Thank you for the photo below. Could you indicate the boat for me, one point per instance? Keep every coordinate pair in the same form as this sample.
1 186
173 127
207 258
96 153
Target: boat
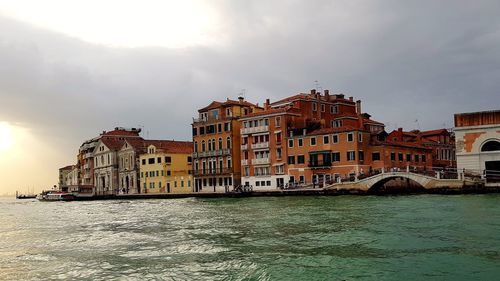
55 196
25 196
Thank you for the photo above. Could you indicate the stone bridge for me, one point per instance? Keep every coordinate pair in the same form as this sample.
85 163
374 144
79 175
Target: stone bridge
427 182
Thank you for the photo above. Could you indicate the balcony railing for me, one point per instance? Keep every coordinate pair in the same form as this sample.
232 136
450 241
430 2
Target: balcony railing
219 152
244 162
244 147
252 130
260 161
211 172
260 145
319 164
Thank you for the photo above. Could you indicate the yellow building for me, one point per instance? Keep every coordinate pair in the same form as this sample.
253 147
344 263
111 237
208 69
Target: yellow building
166 167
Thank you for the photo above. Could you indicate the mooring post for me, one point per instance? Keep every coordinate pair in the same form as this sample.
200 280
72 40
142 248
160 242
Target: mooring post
438 175
407 168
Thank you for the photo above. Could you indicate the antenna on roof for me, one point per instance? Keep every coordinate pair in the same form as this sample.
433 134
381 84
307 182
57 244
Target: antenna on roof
242 94
318 86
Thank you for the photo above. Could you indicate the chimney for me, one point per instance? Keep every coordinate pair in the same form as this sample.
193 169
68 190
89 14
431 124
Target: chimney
241 99
327 95
351 99
358 106
313 92
266 105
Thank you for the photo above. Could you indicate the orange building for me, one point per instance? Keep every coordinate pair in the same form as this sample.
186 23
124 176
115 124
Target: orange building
216 139
441 141
318 137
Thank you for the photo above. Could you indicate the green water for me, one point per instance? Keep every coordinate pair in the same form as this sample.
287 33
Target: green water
424 237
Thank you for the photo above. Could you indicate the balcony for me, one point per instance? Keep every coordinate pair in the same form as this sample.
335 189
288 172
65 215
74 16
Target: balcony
253 130
195 154
244 147
244 162
320 164
212 153
213 172
260 145
260 161
86 166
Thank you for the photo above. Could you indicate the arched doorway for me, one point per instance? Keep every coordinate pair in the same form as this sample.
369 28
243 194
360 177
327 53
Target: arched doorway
490 155
396 185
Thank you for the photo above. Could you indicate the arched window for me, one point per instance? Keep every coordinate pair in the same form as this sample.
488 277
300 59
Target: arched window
220 143
203 146
228 143
492 145
195 146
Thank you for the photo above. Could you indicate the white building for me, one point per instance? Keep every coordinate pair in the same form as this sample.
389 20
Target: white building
128 166
478 142
106 166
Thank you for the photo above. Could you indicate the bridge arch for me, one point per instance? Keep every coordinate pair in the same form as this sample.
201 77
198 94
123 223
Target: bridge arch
397 182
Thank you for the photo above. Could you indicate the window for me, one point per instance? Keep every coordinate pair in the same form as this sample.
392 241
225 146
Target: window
361 155
337 123
257 183
190 159
291 159
326 139
400 156
278 153
278 138
268 183
203 146
322 107
175 183
168 159
408 157
423 157
182 183
162 173
142 174
151 161
228 143
350 137
313 140
300 159
335 138
336 156
195 146
290 143
159 184
360 137
376 156
333 109
157 174
219 128
158 160
351 156
143 161
278 121
315 106
416 158
300 142
169 173
227 126
393 156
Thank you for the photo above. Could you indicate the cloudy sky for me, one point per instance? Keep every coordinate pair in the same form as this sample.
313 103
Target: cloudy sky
70 69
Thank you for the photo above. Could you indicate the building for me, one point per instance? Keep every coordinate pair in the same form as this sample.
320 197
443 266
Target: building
166 167
478 143
129 167
441 141
63 177
216 140
317 138
87 162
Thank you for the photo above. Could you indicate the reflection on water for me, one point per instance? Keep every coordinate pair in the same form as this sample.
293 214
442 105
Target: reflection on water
296 238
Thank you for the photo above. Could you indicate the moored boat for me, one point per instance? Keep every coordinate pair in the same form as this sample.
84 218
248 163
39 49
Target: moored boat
56 196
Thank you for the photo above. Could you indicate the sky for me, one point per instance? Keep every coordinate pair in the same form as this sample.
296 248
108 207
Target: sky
71 69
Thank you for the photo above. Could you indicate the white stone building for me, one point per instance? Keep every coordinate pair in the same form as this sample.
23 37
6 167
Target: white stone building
478 143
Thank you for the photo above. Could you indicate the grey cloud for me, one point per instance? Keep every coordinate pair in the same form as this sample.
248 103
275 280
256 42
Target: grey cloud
406 60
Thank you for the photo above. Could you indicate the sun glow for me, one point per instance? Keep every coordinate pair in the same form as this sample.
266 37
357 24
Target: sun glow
123 23
5 136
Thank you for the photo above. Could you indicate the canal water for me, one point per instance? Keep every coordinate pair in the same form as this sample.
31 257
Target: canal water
421 237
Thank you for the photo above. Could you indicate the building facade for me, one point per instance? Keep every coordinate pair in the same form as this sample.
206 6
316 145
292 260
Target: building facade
128 166
216 141
166 167
478 143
